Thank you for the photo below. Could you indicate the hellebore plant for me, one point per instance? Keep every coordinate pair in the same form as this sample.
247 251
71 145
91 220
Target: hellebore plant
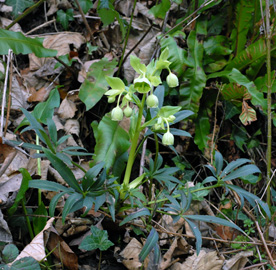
161 118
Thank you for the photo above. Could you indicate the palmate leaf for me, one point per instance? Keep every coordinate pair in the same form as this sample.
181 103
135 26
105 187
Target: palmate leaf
18 6
97 240
209 219
111 141
21 44
252 199
242 171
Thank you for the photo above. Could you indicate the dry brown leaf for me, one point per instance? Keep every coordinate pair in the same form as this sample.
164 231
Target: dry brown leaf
36 248
60 42
5 22
60 249
67 109
72 127
40 95
238 261
131 255
55 5
204 261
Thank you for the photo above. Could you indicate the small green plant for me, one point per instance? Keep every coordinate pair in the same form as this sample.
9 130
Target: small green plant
97 240
9 254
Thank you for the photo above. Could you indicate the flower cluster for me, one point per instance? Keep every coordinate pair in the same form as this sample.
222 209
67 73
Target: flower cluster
149 78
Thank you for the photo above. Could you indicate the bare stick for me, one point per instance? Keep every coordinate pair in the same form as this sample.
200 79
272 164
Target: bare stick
265 245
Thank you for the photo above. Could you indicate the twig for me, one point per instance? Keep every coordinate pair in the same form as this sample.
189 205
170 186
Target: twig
4 92
86 23
214 129
9 101
265 245
40 26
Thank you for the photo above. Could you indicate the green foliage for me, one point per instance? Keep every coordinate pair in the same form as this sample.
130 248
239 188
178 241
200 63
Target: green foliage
108 14
242 23
95 84
64 17
9 254
194 76
18 6
22 190
21 44
111 141
98 239
85 5
160 10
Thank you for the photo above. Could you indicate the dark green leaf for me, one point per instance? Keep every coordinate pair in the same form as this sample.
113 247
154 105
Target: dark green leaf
63 170
149 245
218 162
48 185
65 17
22 190
18 6
25 263
95 84
233 165
39 221
196 233
243 171
54 202
21 44
45 110
139 213
98 239
160 10
69 204
9 253
111 141
85 5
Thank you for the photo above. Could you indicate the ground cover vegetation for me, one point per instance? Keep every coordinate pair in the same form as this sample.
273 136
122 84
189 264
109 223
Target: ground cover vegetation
137 134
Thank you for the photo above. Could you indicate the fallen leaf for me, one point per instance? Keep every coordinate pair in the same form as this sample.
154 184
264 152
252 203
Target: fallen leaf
67 109
238 261
36 248
60 249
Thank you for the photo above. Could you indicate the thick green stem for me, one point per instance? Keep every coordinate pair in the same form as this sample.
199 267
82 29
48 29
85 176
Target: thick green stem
134 143
269 116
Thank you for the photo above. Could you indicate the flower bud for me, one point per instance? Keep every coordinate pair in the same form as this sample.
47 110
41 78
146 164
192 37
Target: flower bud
171 118
168 138
111 99
152 101
172 80
127 111
117 114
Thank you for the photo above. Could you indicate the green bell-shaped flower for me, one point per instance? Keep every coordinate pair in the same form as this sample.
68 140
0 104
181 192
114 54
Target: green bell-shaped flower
142 85
128 111
152 101
117 114
172 80
111 99
168 138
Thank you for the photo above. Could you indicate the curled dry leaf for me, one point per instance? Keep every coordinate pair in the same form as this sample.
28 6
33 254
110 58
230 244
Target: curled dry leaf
5 234
67 109
131 255
36 248
60 249
204 261
238 261
72 127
